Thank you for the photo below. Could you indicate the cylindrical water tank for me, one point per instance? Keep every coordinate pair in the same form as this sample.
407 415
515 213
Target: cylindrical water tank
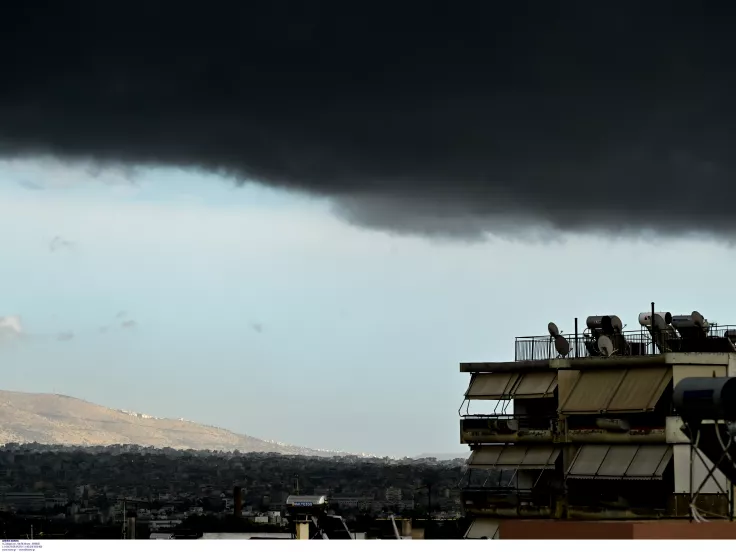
706 398
609 323
694 320
645 318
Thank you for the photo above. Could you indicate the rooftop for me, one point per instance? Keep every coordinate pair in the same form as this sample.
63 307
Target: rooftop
605 336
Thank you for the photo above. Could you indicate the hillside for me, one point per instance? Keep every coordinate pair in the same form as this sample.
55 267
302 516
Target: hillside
58 419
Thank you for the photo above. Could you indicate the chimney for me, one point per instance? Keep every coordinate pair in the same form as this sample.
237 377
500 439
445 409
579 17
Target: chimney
238 502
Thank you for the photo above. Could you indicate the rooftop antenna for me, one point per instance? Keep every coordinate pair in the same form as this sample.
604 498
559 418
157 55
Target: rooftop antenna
562 345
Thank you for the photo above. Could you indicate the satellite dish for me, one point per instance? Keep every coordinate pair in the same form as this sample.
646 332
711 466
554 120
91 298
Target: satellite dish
562 346
605 345
552 329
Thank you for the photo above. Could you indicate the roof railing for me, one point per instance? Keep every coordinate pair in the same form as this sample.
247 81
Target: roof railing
627 343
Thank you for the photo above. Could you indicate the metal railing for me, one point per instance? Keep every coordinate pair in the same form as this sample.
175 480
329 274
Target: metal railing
470 422
634 343
479 498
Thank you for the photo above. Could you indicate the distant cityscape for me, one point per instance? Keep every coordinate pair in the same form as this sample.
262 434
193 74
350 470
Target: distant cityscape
167 489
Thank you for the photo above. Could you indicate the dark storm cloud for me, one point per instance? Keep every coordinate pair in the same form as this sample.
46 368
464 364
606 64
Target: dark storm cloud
450 118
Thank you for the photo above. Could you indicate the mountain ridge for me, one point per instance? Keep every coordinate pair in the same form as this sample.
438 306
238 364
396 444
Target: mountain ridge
54 419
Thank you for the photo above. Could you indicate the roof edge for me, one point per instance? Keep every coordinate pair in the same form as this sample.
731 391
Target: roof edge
588 363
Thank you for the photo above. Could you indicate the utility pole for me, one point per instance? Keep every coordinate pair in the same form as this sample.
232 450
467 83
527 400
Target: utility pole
429 501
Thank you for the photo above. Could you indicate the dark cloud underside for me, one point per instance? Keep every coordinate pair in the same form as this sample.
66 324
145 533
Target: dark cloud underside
431 117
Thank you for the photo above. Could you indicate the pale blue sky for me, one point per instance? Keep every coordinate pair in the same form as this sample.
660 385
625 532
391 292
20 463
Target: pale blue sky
360 333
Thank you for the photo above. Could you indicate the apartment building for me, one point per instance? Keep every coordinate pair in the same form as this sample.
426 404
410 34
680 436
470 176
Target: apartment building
582 426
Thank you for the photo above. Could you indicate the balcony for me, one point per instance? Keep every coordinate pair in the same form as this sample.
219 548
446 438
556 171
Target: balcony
476 430
507 502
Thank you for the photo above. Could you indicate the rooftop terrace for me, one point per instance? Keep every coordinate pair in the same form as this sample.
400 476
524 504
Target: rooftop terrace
602 338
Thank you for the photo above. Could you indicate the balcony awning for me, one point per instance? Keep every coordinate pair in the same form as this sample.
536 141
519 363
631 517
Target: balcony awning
483 528
620 462
621 390
510 457
498 386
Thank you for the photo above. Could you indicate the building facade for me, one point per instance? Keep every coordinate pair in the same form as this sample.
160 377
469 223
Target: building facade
584 432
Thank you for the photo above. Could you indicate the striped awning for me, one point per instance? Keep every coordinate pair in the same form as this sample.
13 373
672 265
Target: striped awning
620 390
620 462
504 457
498 386
483 528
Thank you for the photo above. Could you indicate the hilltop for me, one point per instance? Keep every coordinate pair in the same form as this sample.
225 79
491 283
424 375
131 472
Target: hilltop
62 420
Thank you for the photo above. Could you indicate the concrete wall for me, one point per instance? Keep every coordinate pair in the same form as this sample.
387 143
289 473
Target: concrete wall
731 370
681 371
622 530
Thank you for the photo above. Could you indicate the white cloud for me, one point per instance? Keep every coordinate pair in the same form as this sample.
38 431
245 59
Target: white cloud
11 328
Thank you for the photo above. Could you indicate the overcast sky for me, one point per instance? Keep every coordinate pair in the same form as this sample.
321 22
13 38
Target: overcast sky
175 294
